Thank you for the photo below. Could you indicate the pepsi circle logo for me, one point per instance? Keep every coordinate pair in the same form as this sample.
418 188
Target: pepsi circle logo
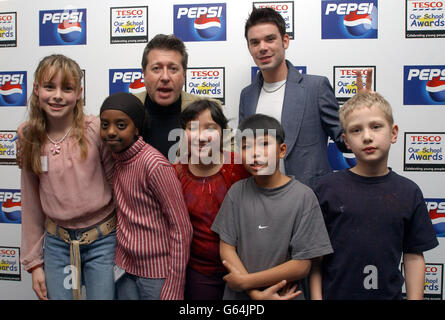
436 89
136 86
69 32
207 28
12 210
12 93
357 24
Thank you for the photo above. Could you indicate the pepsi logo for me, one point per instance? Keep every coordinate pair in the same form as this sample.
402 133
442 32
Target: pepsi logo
207 27
357 24
69 32
12 210
136 86
12 93
436 89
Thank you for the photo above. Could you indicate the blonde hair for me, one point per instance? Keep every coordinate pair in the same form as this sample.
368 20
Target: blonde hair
365 100
34 133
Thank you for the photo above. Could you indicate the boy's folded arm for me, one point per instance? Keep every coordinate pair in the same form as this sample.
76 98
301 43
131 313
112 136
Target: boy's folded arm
290 271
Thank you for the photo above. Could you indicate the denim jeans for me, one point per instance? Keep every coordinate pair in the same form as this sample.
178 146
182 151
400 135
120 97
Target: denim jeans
97 261
131 287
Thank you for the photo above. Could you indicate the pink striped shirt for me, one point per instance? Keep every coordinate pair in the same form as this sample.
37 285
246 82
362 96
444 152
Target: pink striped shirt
154 230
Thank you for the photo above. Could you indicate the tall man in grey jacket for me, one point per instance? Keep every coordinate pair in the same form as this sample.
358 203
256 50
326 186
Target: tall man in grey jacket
305 104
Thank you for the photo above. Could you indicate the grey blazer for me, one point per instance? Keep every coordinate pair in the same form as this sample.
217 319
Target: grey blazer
309 117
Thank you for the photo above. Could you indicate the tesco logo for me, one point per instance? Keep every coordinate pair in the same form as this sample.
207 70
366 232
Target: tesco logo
427 4
426 139
277 7
205 73
6 136
350 72
7 252
431 269
129 12
6 18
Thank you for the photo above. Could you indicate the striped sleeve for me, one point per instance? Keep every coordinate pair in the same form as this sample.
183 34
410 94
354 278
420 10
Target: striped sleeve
167 189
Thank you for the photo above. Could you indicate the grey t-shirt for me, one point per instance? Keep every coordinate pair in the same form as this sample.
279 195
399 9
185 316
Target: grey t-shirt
271 226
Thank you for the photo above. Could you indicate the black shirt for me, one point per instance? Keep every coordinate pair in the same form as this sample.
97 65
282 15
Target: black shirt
161 120
371 221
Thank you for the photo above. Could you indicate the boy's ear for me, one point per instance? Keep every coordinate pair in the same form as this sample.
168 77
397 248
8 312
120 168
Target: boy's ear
343 136
394 133
283 150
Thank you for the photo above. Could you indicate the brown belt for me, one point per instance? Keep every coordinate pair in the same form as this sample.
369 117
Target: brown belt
88 237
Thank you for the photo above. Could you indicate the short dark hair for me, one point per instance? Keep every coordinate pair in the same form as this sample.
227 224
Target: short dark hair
265 15
165 42
192 111
261 121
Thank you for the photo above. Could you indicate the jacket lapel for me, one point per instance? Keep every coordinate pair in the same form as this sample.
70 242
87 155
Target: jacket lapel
294 105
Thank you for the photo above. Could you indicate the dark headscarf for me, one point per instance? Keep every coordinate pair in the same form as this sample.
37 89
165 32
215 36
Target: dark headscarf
128 104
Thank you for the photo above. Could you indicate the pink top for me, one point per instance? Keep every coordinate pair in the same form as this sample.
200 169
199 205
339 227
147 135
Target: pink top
74 193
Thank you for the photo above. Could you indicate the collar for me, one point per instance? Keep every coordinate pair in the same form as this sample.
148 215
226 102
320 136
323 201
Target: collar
132 151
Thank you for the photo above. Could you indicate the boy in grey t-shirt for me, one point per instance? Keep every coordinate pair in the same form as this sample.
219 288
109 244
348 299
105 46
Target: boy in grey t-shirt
270 225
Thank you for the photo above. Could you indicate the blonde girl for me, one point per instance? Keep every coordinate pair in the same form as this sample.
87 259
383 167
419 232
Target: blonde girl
68 218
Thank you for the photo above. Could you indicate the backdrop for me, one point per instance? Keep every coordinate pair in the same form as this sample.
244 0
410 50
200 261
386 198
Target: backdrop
401 40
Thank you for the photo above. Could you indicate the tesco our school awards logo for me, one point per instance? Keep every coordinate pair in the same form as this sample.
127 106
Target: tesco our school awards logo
254 71
436 209
424 151
12 88
206 82
10 206
63 27
345 85
10 263
8 29
424 85
285 9
8 147
349 19
126 80
200 22
129 24
425 19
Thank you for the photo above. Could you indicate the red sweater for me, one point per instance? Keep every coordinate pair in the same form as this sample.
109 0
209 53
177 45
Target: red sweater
203 196
154 229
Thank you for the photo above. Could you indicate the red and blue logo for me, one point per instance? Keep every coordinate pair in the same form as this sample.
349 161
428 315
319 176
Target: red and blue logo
349 20
126 80
424 85
63 27
200 22
436 209
11 206
13 88
436 89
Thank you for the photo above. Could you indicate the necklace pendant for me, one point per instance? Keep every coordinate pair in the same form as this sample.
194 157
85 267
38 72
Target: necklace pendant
55 150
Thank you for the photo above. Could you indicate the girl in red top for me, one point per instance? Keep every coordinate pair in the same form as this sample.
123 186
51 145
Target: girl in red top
206 174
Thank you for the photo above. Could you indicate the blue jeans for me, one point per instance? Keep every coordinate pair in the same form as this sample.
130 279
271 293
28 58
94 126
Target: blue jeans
97 261
131 287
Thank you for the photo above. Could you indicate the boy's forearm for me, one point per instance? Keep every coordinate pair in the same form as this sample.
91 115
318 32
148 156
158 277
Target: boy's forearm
290 271
414 265
315 280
